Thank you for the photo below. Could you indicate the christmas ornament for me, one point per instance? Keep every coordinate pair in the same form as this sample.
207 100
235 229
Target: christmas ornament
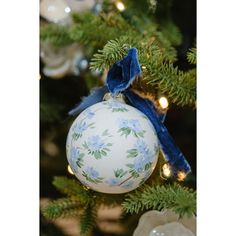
139 122
81 5
171 229
62 61
113 155
165 223
55 11
59 11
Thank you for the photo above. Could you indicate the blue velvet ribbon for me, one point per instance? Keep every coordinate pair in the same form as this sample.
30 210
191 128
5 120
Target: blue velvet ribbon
119 79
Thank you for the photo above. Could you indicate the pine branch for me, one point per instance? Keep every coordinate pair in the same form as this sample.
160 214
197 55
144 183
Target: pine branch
112 52
63 207
87 220
158 72
174 197
56 35
72 187
179 86
192 56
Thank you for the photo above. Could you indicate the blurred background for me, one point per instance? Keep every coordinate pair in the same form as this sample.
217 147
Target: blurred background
62 88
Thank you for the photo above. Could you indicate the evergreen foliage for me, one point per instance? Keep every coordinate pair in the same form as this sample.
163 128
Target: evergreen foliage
158 197
84 202
179 86
192 56
63 207
87 220
116 32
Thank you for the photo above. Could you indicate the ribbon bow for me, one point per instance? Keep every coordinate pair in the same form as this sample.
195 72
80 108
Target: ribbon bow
119 78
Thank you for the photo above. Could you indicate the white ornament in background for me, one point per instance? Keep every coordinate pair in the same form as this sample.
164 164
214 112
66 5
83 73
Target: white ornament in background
81 5
55 11
62 61
171 229
165 223
112 147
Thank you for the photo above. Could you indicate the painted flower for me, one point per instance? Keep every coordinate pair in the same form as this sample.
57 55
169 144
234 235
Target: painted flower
113 182
76 159
123 123
80 127
141 146
139 164
74 152
96 146
116 106
92 172
143 158
127 127
135 125
95 143
88 113
92 175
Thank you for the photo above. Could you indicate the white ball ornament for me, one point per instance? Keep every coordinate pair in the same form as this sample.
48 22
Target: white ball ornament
112 147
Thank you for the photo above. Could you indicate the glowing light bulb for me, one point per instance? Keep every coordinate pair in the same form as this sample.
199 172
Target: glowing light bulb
70 170
166 170
163 102
67 10
144 67
120 6
181 175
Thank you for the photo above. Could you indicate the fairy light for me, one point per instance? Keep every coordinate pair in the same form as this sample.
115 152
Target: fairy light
181 176
166 170
70 170
163 102
144 67
120 5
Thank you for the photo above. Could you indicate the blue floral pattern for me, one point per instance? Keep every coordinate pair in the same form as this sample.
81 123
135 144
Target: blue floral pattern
96 146
88 113
143 158
117 180
92 175
76 159
79 128
131 126
116 106
111 150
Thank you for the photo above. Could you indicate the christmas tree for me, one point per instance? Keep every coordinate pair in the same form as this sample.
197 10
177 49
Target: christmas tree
79 46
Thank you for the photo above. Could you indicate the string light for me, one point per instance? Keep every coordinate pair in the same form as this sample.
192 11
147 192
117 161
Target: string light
181 176
70 170
163 102
166 170
120 5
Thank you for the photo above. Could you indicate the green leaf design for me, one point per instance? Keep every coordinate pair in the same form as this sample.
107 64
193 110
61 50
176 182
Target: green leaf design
97 154
119 173
124 131
91 125
132 153
85 145
105 132
88 178
119 109
130 165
